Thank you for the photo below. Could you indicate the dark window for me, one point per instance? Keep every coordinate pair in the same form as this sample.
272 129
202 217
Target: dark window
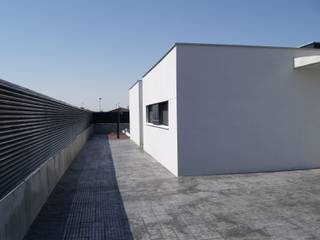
163 113
158 113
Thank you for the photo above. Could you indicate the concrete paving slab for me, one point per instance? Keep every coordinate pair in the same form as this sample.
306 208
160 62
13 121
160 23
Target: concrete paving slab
86 203
114 190
280 205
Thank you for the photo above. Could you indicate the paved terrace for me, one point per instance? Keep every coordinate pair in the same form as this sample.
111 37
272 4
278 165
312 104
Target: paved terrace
153 204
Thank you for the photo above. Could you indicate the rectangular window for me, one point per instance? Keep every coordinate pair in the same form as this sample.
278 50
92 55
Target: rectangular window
158 113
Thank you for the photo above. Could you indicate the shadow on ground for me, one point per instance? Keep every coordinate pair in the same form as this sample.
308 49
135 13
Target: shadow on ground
86 203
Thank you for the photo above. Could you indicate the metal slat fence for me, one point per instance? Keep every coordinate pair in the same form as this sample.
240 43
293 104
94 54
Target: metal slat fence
33 127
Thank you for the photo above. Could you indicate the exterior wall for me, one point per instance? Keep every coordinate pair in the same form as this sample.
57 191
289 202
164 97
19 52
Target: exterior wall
135 104
246 109
20 207
160 85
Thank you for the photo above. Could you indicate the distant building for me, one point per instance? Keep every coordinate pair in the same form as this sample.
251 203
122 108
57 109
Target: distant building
119 109
216 109
114 121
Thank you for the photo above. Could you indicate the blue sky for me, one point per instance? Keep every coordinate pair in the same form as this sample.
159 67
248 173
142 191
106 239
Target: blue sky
78 51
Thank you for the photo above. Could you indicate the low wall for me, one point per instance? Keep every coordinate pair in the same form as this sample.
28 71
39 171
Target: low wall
106 128
20 207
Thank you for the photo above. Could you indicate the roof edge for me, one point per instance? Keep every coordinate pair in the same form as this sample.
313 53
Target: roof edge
236 45
312 45
220 45
154 65
135 83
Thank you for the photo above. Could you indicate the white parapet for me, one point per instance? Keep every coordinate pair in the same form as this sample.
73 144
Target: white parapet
300 62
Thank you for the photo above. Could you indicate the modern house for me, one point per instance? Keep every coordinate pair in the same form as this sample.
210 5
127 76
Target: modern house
215 109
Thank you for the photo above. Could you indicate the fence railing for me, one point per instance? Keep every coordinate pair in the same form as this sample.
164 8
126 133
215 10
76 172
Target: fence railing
33 127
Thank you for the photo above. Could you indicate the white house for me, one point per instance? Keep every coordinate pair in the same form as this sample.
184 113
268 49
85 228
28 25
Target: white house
215 109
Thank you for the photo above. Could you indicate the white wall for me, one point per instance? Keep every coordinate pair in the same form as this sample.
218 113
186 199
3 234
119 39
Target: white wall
134 113
246 109
160 85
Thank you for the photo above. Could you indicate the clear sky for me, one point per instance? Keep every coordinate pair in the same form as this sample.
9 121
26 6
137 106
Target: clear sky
78 51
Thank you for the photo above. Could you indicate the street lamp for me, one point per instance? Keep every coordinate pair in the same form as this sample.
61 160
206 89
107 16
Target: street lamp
100 104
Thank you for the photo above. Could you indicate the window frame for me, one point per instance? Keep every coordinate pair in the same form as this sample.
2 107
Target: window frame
157 114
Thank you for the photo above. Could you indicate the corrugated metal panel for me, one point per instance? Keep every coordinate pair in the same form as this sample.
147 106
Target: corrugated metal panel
33 127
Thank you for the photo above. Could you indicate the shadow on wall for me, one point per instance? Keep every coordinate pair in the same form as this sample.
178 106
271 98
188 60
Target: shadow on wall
86 203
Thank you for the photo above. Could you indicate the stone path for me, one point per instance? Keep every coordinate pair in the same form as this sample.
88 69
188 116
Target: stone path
277 206
155 205
86 203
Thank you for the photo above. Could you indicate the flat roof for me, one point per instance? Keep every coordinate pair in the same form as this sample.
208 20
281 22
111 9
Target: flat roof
225 45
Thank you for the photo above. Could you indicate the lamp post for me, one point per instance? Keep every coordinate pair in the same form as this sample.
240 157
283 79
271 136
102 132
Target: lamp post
118 122
100 104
